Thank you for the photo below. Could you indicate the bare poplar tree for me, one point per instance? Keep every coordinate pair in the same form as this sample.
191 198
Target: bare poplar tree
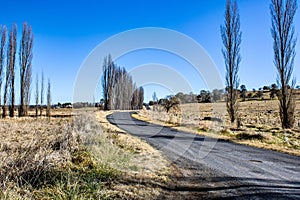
119 90
28 78
232 37
129 91
105 83
6 87
141 98
12 58
10 72
118 97
108 81
134 97
284 43
126 94
2 55
25 67
48 111
37 93
42 94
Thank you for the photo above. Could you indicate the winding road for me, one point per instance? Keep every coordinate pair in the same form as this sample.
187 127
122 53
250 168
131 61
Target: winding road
213 169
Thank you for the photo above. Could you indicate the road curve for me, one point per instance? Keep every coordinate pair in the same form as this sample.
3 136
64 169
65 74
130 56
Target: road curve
213 168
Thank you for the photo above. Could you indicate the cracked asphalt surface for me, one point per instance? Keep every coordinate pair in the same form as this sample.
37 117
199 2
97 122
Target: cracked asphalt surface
213 169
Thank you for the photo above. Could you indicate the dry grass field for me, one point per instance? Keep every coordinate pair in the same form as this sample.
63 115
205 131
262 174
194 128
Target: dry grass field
259 123
81 157
78 154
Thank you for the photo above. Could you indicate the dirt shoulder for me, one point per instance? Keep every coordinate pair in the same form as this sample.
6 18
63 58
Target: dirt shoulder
149 173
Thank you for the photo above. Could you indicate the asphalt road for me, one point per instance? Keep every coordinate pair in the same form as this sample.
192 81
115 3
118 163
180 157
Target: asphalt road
212 169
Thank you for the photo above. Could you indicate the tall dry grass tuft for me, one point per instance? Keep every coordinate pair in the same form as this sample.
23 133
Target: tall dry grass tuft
31 151
63 158
102 145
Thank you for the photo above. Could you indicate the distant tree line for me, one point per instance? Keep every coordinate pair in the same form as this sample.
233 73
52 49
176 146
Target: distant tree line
219 95
8 54
119 90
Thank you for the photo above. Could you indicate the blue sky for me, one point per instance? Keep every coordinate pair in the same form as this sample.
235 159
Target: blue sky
67 31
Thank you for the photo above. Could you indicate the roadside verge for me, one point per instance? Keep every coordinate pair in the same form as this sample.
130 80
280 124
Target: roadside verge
260 137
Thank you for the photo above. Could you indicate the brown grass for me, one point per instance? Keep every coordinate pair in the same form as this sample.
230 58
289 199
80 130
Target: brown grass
76 158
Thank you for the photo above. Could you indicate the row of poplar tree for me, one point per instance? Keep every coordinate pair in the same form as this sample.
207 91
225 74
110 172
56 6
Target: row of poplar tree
284 48
8 52
119 90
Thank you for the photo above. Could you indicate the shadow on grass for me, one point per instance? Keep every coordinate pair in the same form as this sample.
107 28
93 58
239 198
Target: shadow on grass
247 136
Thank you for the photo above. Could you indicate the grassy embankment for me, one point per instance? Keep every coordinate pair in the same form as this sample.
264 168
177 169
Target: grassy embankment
76 158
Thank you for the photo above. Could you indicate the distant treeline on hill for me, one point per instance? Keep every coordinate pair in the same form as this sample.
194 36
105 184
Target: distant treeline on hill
75 105
217 95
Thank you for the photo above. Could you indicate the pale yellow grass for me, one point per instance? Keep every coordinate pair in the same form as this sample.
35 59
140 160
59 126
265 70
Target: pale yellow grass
84 153
29 149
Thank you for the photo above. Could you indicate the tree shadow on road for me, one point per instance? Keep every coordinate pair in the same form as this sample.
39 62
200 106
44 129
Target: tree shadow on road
194 184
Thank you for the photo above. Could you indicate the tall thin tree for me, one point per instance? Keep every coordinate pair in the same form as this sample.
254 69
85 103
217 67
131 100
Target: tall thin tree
124 89
28 81
141 97
108 81
2 55
26 55
284 43
42 94
9 88
37 94
134 98
232 37
12 63
48 110
6 86
130 87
